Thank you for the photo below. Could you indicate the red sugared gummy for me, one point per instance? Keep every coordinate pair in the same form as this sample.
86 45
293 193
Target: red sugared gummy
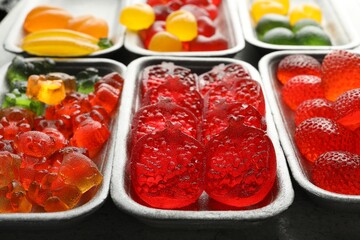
196 10
179 93
155 75
298 64
35 144
161 12
209 79
206 26
91 135
347 107
318 135
218 119
338 172
240 166
317 107
235 90
154 117
301 88
340 73
167 169
215 42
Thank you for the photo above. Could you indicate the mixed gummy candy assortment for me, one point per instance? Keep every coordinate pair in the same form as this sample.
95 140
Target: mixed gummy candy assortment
176 25
325 99
51 134
200 133
285 23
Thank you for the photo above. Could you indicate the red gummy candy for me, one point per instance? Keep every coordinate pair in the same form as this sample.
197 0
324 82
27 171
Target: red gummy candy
206 26
97 113
294 65
91 135
155 75
35 144
318 135
216 74
106 96
179 93
153 118
40 123
340 73
235 90
218 119
347 107
317 107
7 145
60 140
161 12
240 166
196 10
301 88
337 172
114 79
167 169
16 114
9 167
215 42
10 129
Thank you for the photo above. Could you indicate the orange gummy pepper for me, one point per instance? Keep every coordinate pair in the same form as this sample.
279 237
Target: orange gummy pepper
96 27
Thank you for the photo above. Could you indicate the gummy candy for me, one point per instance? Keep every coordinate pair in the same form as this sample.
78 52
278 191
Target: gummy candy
279 35
35 144
147 34
167 169
196 10
155 75
87 79
182 24
270 21
106 96
312 36
293 65
17 99
240 166
137 16
318 135
317 107
301 88
216 42
340 73
206 27
181 94
347 107
91 25
261 7
165 42
337 171
305 10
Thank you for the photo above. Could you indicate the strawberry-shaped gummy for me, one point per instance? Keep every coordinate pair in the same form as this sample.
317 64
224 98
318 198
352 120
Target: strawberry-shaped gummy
337 171
315 136
316 107
234 90
154 117
298 64
217 120
155 75
347 107
179 93
340 73
240 166
301 88
167 169
209 79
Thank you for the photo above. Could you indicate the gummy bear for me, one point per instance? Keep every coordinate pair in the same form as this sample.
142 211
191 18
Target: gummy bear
106 96
35 144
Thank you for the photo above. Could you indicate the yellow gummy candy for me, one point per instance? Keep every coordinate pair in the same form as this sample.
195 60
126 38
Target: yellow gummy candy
165 42
261 7
305 10
138 16
182 24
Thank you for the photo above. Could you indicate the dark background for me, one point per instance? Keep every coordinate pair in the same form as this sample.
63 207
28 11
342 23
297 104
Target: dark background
303 220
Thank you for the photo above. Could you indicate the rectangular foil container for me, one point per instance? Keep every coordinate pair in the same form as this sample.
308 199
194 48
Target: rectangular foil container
227 22
336 23
278 200
284 122
104 159
109 12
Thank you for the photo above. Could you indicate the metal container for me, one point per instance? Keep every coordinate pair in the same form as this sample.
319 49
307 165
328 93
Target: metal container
227 22
204 215
284 120
336 24
104 159
109 12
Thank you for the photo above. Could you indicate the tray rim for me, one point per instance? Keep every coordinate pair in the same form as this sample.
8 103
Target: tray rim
253 40
234 20
75 214
16 27
123 201
295 167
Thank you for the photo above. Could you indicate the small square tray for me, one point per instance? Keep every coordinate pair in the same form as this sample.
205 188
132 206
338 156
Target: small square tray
109 12
104 159
227 22
335 23
277 201
283 118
